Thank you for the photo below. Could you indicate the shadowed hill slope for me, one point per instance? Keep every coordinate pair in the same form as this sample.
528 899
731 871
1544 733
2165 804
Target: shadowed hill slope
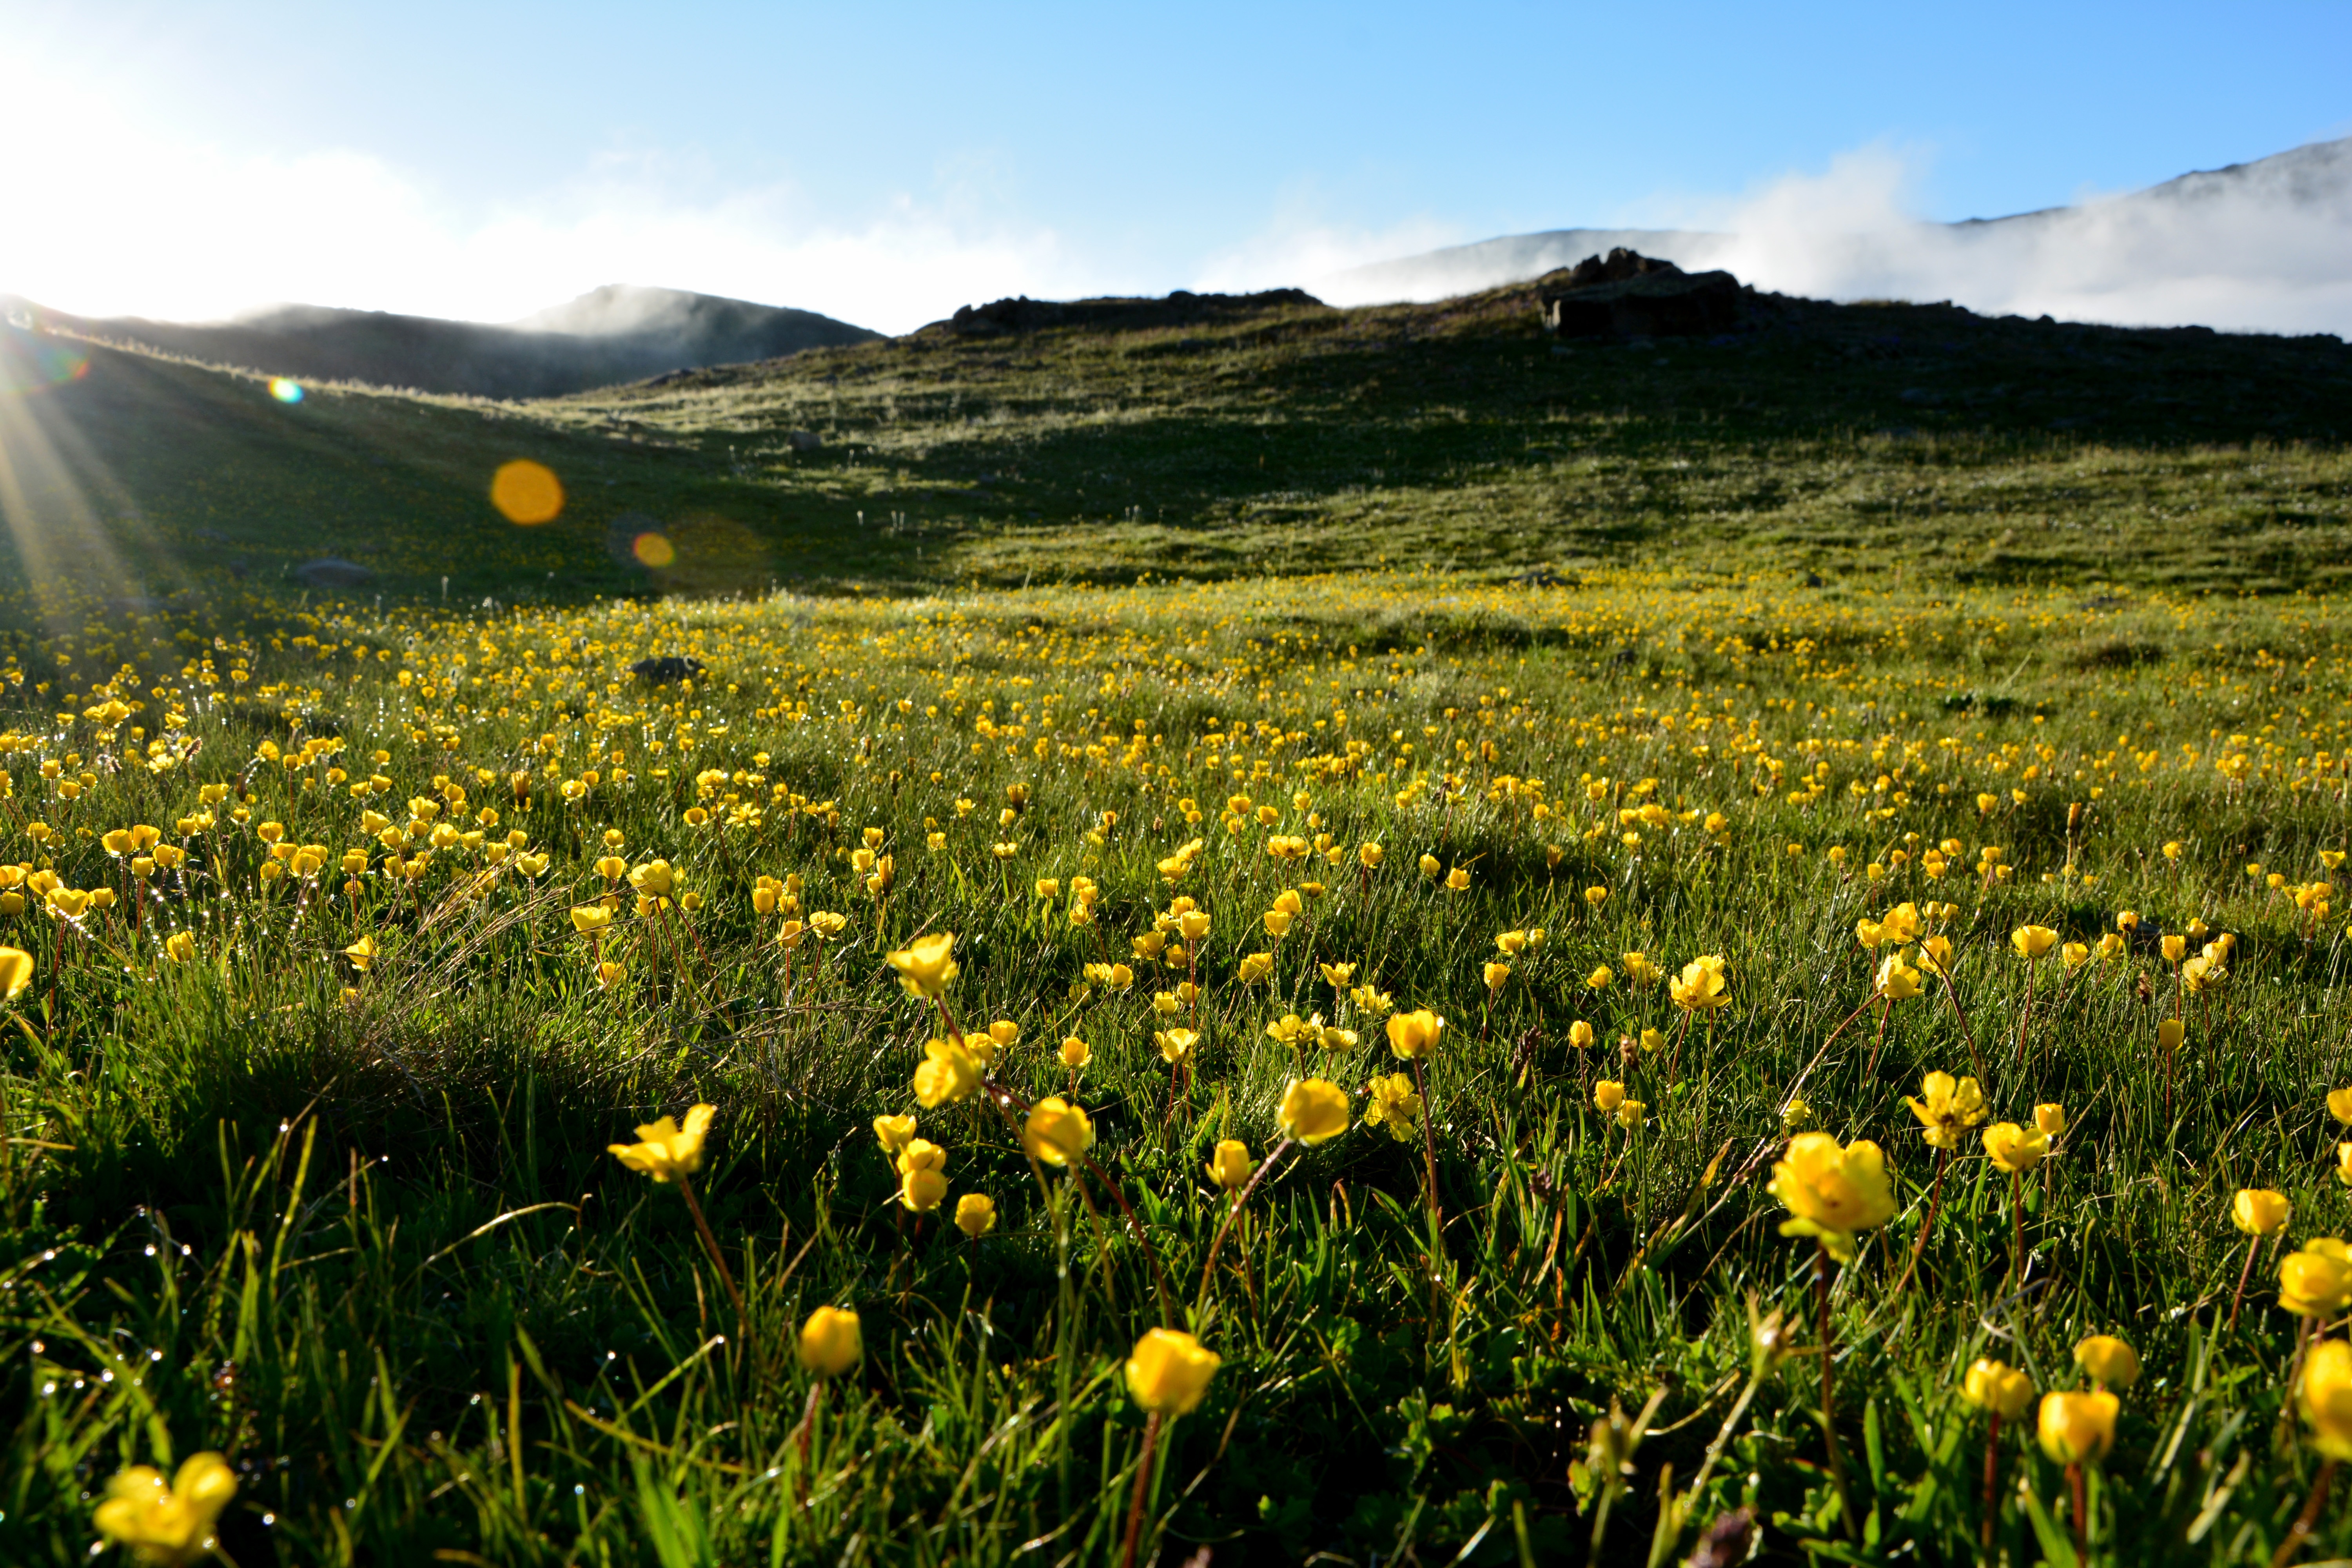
614 334
1893 440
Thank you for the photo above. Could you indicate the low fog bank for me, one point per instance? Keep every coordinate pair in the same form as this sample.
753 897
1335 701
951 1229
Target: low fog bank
2263 246
614 334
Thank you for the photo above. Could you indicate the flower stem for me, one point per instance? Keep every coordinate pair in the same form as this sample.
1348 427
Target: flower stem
1142 1479
1266 1167
2017 1229
1822 1267
1992 1477
2082 1514
1935 1201
2243 1275
710 1244
2308 1519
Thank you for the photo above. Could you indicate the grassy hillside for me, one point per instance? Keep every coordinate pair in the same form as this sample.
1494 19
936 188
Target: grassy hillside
1913 442
614 334
342 942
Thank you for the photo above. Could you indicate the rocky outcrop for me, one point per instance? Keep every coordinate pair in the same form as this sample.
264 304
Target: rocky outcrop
1181 308
1629 295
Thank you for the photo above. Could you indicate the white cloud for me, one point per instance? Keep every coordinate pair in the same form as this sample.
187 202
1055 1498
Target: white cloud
2266 250
121 218
1299 247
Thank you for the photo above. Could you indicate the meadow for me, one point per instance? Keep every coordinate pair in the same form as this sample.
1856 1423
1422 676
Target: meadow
1427 995
1449 846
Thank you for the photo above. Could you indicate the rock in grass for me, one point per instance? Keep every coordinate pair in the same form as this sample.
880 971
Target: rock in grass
667 667
332 572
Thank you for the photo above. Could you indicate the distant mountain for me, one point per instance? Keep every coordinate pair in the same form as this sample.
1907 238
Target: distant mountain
616 333
1494 263
2263 245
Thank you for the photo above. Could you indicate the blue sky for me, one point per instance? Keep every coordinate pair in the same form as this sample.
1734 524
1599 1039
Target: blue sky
886 164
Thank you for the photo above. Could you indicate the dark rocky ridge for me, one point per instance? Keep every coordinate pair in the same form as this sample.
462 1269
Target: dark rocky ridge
1628 295
1181 309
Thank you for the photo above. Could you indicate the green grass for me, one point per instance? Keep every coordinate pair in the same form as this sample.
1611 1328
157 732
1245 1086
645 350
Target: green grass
1910 442
368 1244
359 1232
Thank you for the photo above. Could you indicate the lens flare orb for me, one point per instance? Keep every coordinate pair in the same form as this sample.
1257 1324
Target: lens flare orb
652 550
284 389
526 492
29 363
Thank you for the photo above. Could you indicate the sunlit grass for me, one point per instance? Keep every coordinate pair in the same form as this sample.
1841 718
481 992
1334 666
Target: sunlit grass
309 1101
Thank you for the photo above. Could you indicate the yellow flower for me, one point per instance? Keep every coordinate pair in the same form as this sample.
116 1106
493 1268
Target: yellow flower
1313 1111
2033 941
1075 1052
67 902
829 1342
1596 897
2075 954
1897 981
1394 1105
2317 1282
1120 977
1369 855
2168 1032
1630 1113
2014 1149
1412 1035
1701 987
361 954
1831 1192
2111 1363
1277 923
1193 923
1168 1374
895 1133
926 966
2050 1118
2077 1429
1600 978
1230 1164
922 1174
1639 970
1255 967
1497 975
975 1215
1175 1045
2339 1105
665 1151
1431 866
2343 1162
2173 947
1458 880
1056 1131
2327 1397
1951 1109
1999 1387
948 1073
179 947
2258 1211
654 878
589 919
163 1524
1607 1095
